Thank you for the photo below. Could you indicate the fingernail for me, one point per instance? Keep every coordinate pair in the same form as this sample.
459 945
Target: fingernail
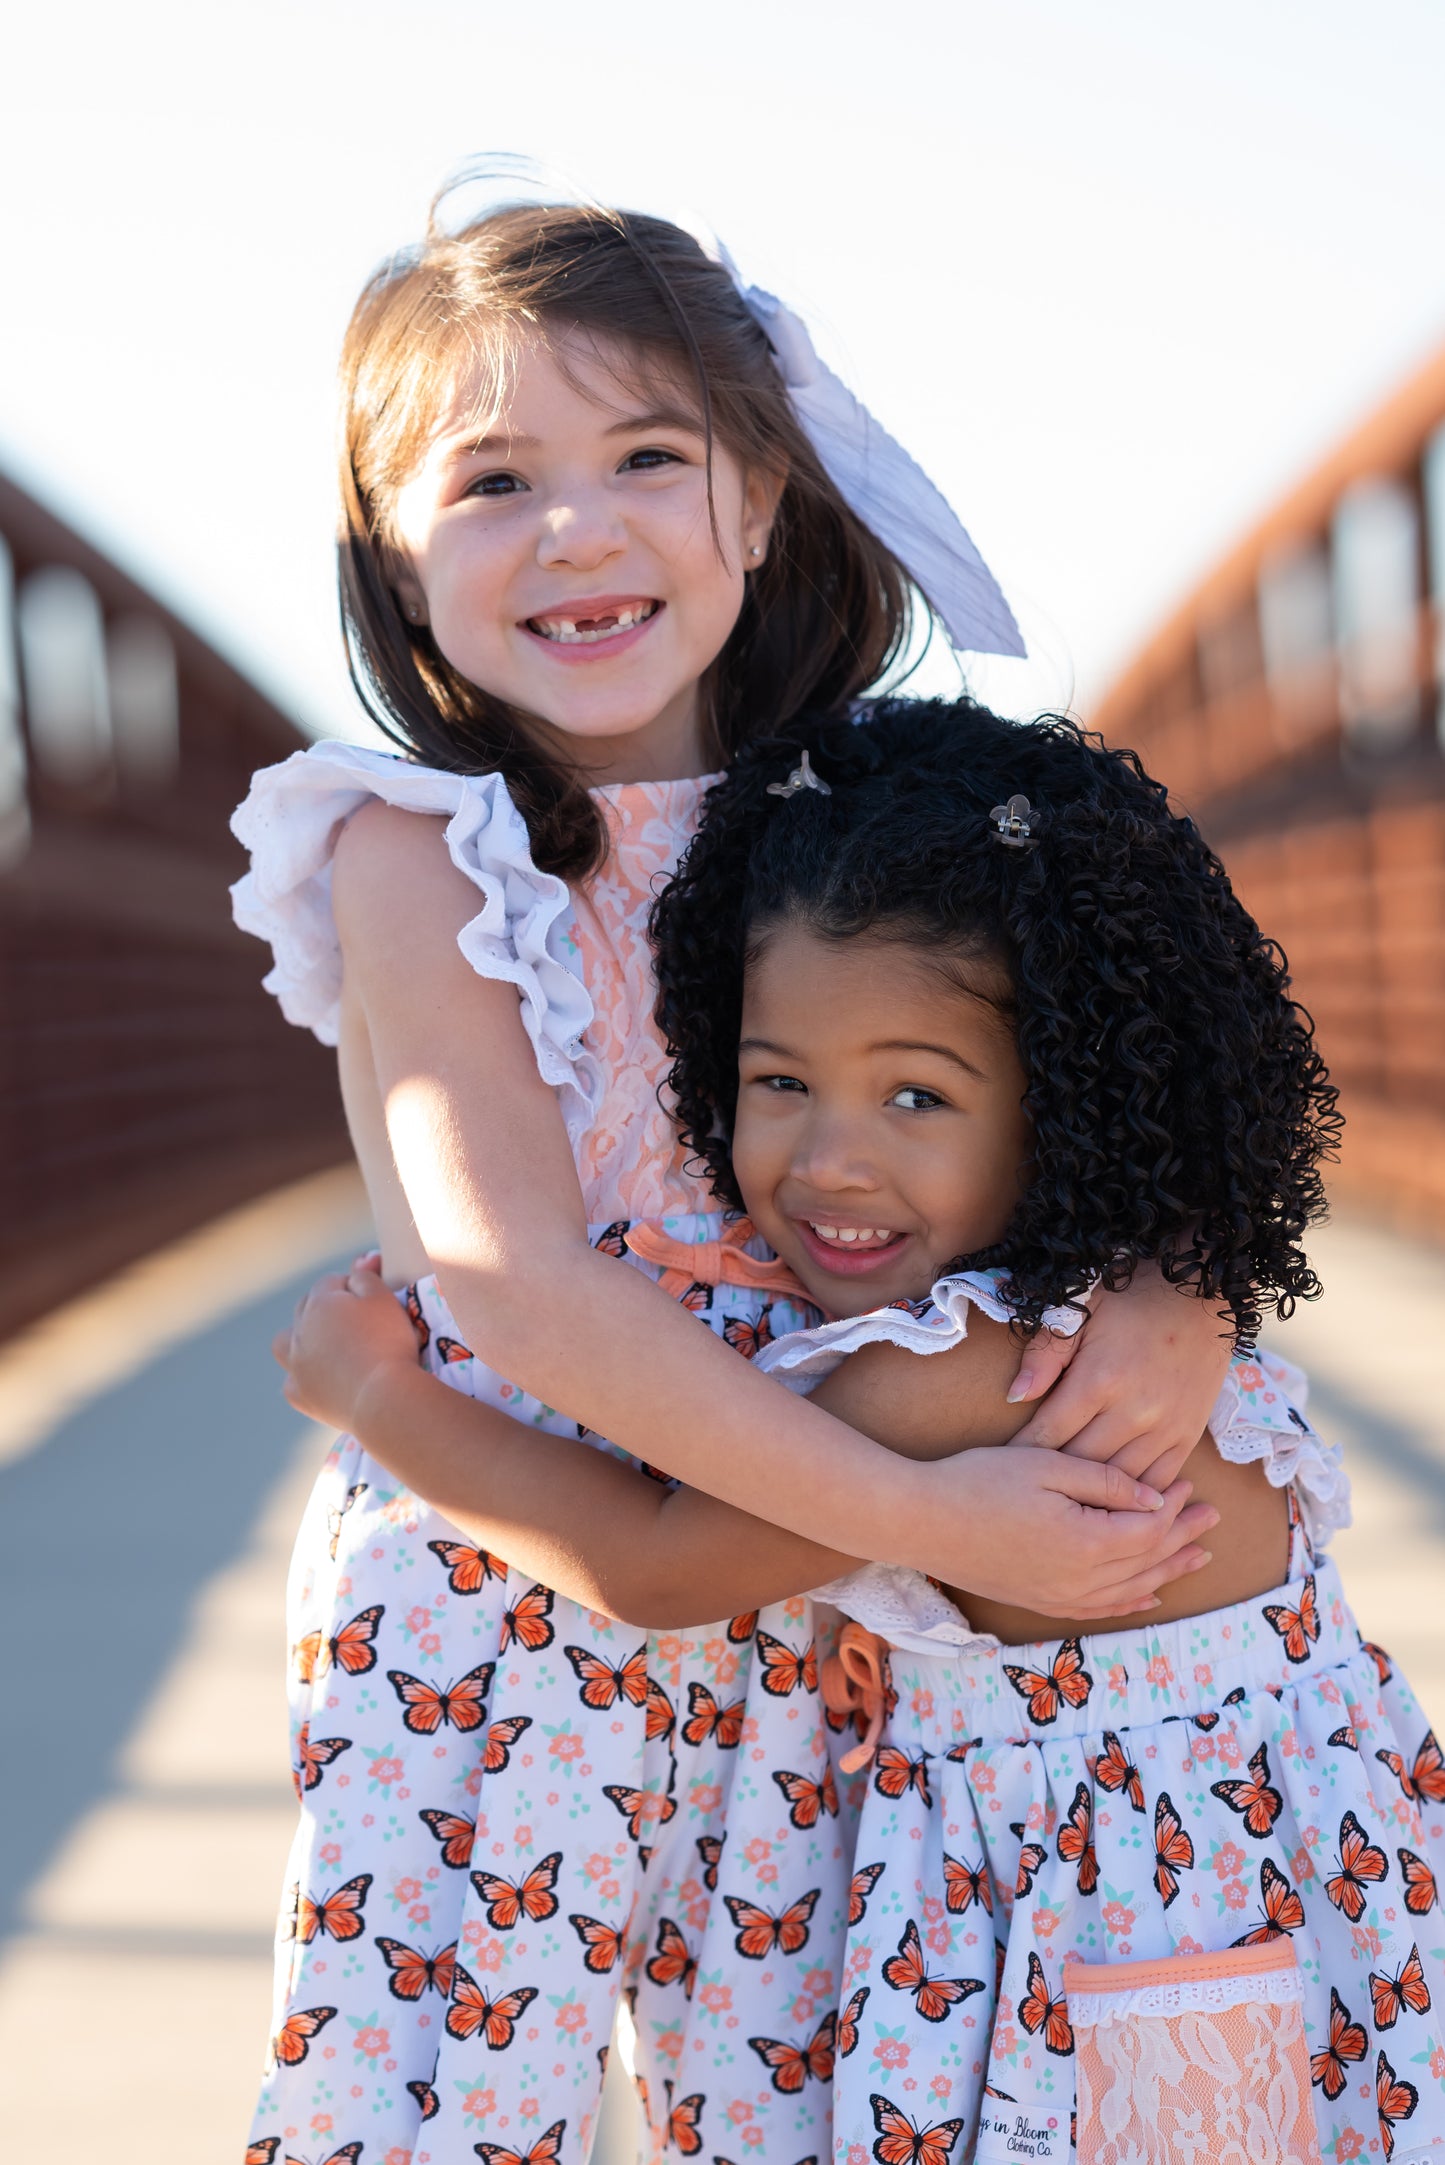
1147 1499
1206 1556
1018 1390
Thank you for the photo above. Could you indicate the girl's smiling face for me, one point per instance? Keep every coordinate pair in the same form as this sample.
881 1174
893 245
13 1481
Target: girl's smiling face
880 1126
561 548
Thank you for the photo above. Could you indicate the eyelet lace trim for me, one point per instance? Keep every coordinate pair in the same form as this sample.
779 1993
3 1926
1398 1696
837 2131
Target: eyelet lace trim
523 934
1185 1996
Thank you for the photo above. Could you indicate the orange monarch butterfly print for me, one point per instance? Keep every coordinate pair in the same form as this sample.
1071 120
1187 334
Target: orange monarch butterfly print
808 1800
1298 1628
1361 1865
1426 1778
427 2098
1067 1683
334 1518
292 2041
638 1806
471 2012
960 1752
264 2151
497 1751
614 1240
1420 1895
759 1931
1329 2070
784 1668
965 1884
602 1943
526 1623
414 1974
1076 1841
674 1962
338 1916
350 1648
311 1758
1394 2101
791 2065
1173 1850
710 1849
1393 1995
932 1996
660 1717
468 1569
902 2142
1037 2012
602 1685
346 2155
682 2121
1346 1739
1282 1907
708 1718
452 1351
895 1772
545 2150
1380 1658
749 1338
508 1901
1115 1771
456 1836
428 1708
1257 1804
741 1628
418 1320
847 2032
1031 1856
864 1880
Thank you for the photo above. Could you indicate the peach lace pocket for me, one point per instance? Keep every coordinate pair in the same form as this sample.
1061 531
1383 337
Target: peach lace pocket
1195 2060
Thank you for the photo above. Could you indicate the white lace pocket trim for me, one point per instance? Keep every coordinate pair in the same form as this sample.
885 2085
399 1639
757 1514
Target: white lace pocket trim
904 1608
522 934
1187 1996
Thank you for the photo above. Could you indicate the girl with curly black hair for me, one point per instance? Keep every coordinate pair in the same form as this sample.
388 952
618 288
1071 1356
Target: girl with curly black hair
970 1024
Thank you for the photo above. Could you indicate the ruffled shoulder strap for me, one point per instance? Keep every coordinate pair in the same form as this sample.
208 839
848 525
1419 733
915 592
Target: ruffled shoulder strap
522 933
804 1358
1259 1416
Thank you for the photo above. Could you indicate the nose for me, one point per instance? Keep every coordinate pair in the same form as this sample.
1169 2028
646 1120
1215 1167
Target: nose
580 532
831 1156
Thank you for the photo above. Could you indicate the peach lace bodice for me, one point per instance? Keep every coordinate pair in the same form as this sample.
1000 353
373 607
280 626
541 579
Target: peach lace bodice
629 1160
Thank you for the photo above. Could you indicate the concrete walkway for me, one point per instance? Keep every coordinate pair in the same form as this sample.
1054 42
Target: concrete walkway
147 1518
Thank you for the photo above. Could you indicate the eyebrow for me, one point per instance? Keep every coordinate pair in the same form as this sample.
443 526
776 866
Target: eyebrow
632 424
887 1044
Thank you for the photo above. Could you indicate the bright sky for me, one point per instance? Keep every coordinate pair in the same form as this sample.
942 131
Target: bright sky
1115 273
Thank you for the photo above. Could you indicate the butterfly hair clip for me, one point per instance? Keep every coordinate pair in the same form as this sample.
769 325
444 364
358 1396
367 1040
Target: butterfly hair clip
802 777
1013 824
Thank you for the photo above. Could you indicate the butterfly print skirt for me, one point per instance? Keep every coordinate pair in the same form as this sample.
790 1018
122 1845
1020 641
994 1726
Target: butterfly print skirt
511 1812
1120 1809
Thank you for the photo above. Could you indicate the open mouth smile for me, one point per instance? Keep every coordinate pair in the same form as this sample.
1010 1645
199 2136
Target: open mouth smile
593 624
848 1250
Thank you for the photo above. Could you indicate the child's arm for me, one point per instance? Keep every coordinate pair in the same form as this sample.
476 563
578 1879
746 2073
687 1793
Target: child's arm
614 1540
488 1173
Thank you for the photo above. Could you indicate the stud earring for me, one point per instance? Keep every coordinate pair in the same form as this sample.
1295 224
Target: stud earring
755 550
414 613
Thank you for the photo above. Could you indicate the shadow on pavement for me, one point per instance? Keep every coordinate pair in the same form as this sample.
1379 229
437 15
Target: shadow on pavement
108 1532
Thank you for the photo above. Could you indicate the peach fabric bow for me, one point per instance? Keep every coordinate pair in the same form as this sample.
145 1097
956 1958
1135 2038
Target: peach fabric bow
853 1681
712 1262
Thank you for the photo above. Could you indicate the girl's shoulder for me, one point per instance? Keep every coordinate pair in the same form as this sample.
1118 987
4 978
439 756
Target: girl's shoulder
291 822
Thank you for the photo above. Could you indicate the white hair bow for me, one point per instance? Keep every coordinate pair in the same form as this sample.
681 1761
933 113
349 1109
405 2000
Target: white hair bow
891 494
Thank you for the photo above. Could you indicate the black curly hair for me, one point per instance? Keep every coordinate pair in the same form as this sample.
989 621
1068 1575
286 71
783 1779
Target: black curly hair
1180 1109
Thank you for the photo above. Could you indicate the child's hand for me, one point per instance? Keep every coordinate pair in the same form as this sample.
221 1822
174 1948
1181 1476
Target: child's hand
344 1332
1064 1536
1142 1388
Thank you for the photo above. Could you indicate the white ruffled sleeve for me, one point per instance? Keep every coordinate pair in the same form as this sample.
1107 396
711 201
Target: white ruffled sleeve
1259 1415
523 932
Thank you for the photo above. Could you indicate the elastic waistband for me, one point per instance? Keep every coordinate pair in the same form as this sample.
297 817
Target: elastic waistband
1079 1687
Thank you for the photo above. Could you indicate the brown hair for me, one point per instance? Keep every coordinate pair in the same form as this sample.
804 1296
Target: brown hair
823 616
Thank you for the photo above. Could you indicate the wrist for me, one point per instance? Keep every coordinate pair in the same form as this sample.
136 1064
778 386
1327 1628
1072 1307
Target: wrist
381 1396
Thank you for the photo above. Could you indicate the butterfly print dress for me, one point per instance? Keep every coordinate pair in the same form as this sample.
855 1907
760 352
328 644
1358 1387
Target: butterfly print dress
513 1810
1232 1825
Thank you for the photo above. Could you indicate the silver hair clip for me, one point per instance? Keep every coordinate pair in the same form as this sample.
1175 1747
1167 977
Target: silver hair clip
1012 824
802 777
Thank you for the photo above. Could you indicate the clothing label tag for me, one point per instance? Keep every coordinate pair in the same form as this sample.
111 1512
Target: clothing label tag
1010 2134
